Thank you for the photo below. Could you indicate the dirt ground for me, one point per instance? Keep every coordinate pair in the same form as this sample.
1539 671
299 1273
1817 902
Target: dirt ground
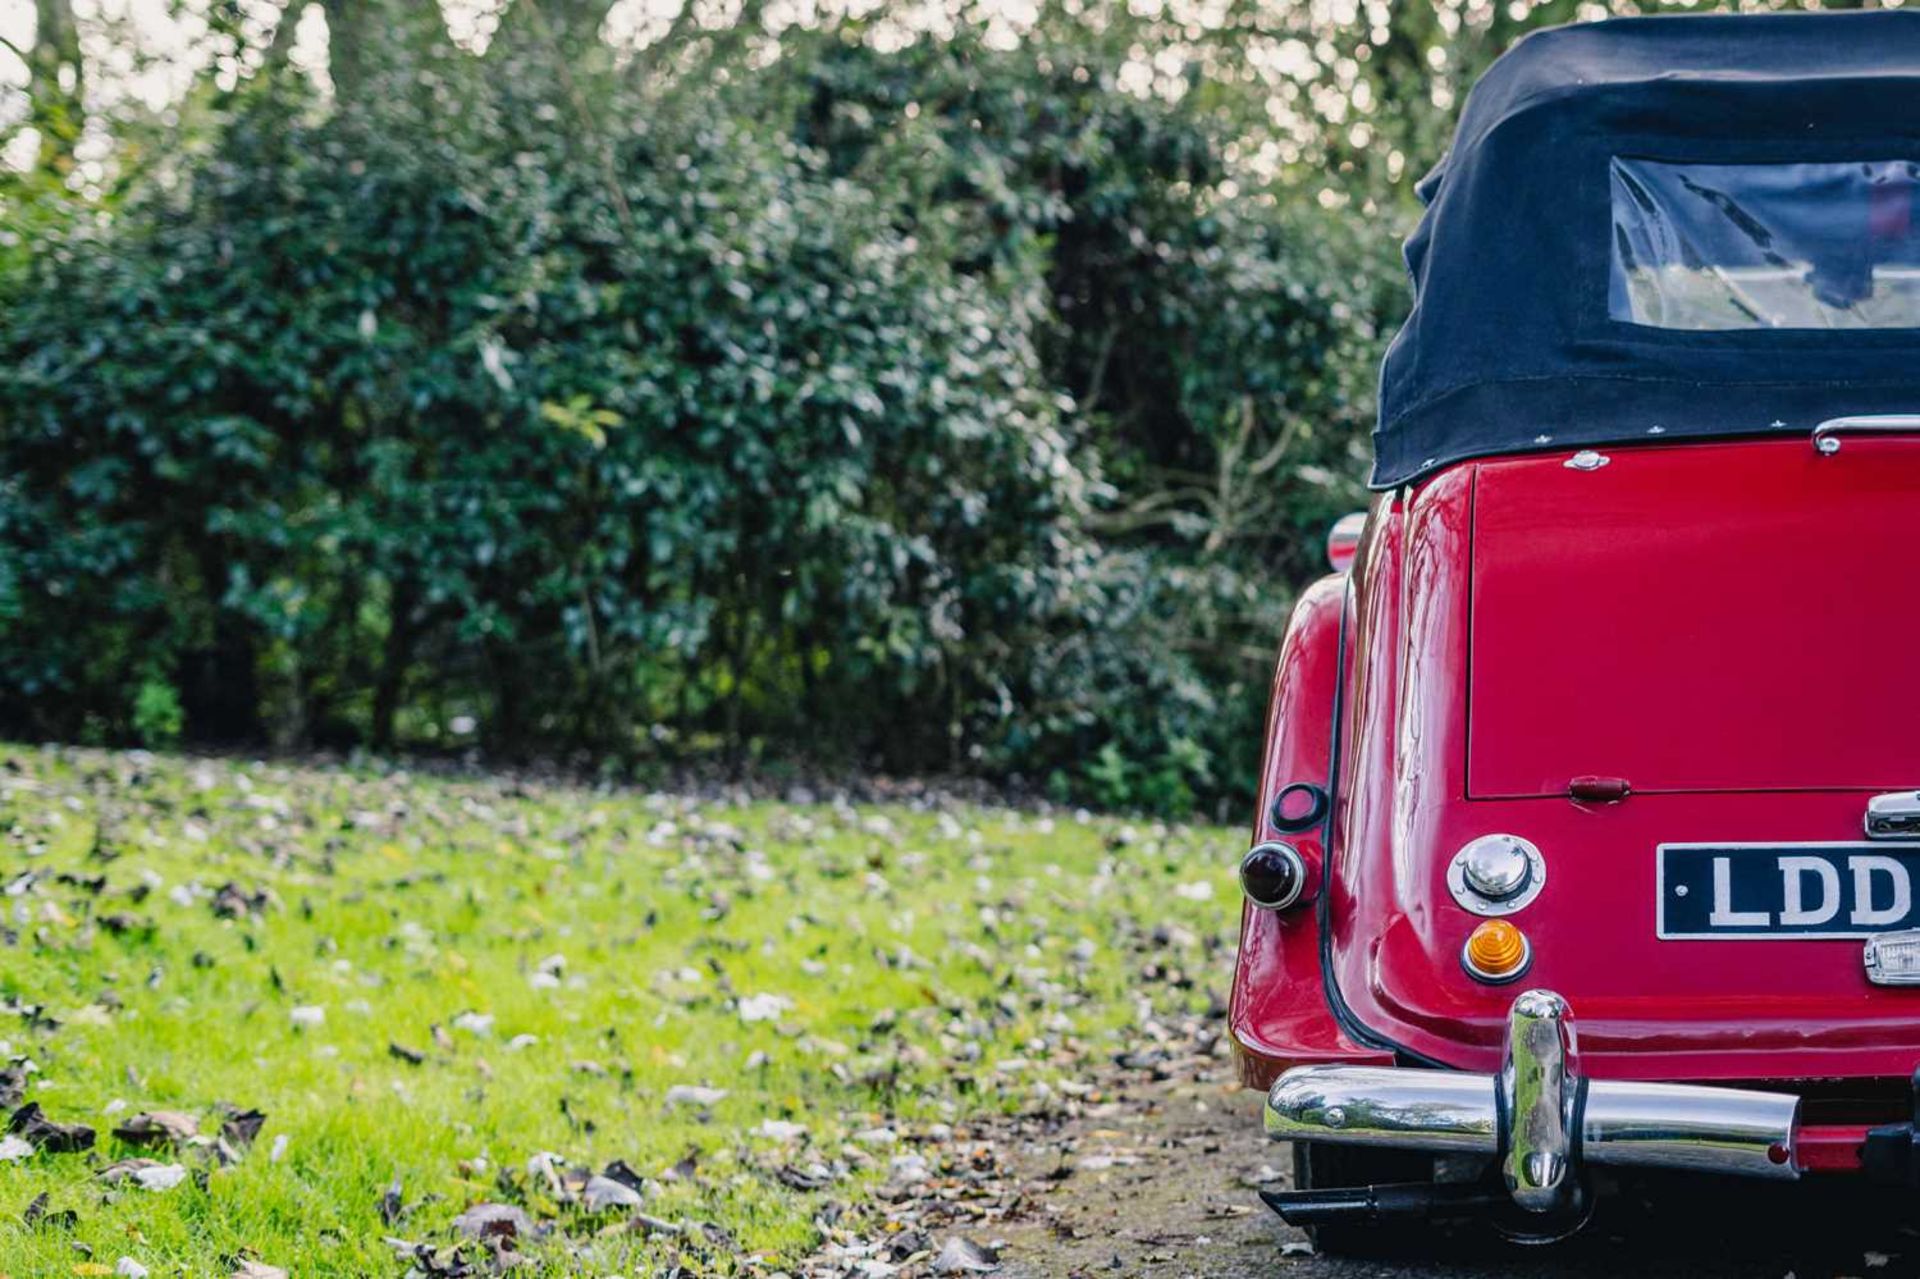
1152 1167
1160 1182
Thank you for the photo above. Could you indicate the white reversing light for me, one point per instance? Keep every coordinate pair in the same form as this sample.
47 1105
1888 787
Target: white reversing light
1893 959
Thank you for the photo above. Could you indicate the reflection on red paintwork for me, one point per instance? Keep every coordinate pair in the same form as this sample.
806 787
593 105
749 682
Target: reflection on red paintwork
1707 617
1278 1010
1727 629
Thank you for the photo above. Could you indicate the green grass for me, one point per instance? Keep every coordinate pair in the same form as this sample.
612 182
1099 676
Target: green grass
923 965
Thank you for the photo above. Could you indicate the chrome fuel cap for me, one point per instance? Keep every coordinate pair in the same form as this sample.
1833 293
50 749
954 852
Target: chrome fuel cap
1496 874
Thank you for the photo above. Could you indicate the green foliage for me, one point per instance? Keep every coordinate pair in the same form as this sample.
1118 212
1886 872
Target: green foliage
946 408
157 716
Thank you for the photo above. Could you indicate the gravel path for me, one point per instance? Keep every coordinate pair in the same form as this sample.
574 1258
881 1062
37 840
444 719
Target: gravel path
1150 1167
1159 1182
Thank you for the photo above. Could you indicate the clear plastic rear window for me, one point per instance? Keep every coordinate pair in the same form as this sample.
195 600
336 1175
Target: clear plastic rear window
1766 246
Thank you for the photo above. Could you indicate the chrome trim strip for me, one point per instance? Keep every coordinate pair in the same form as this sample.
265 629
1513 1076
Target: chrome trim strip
1826 436
1438 1110
1720 1130
1534 1117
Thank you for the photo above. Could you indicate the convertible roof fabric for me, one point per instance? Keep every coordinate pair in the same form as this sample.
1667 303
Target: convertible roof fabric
1511 346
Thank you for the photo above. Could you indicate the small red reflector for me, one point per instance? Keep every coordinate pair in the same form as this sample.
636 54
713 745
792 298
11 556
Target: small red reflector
1298 806
1343 540
1599 790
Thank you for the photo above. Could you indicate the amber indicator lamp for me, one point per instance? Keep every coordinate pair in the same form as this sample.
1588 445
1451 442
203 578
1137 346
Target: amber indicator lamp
1496 951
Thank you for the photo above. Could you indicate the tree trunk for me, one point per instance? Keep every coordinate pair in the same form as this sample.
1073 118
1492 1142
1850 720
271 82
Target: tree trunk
506 728
739 654
56 82
352 25
396 654
220 689
56 39
571 26
281 46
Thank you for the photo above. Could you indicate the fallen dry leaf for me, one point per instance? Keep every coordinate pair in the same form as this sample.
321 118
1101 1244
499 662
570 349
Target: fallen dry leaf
694 1095
60 1139
493 1221
158 1127
258 1270
36 1215
240 1127
602 1193
234 902
391 1204
963 1256
148 1174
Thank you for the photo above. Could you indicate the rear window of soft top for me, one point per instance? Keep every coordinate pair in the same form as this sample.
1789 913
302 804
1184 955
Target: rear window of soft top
1828 245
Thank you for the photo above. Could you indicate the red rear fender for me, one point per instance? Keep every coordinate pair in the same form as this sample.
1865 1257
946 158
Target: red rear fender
1279 1014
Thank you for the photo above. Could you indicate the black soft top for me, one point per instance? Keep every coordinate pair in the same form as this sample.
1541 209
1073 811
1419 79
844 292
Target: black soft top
1515 340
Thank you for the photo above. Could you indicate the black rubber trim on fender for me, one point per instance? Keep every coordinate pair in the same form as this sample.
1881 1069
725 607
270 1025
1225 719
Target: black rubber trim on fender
1576 1145
1357 1030
1502 1116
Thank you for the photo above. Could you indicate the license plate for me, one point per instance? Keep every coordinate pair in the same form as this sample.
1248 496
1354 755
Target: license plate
1733 891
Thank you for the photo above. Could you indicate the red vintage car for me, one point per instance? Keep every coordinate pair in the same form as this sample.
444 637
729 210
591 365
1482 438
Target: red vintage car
1587 835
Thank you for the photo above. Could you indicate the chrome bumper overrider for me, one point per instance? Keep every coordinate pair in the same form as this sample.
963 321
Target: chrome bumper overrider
1538 1117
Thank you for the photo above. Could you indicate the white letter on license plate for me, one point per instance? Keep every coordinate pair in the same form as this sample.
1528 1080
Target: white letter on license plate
1864 911
1793 872
1724 915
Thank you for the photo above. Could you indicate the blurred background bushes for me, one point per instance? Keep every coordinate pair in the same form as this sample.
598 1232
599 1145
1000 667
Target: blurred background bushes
777 389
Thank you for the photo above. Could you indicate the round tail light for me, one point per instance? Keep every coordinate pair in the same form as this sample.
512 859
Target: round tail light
1273 875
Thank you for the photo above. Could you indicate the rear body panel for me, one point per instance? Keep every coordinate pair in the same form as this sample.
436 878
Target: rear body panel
1697 618
1494 651
1504 611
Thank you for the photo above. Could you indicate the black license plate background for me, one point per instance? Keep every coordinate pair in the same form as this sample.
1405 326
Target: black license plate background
1690 898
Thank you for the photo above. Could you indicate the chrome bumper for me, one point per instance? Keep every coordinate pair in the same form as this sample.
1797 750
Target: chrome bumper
1538 1117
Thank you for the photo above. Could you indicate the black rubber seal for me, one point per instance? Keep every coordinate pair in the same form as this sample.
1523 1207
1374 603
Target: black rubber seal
1305 818
1357 1030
